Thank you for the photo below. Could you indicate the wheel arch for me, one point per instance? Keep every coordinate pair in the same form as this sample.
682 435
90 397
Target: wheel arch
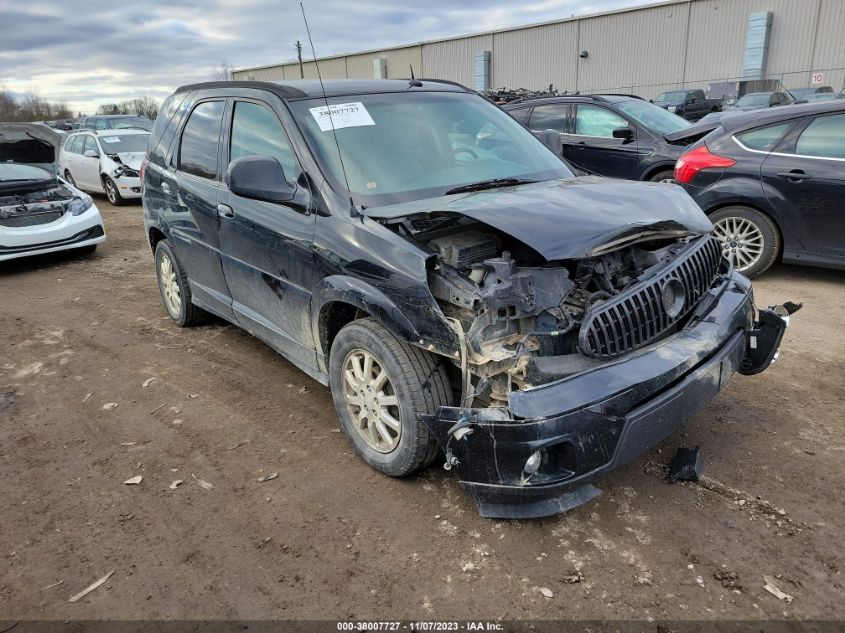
742 203
155 235
649 173
339 300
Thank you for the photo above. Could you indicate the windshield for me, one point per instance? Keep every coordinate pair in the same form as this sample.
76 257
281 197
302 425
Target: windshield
132 121
119 143
653 117
754 99
674 95
399 147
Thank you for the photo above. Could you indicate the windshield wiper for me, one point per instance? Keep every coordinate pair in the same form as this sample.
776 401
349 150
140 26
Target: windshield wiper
493 183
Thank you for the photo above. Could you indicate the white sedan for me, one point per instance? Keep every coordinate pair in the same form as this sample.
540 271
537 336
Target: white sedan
105 161
39 212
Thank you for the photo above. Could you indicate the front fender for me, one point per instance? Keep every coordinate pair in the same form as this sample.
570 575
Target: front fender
411 314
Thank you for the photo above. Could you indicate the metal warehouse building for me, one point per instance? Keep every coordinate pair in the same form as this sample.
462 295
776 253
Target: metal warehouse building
643 50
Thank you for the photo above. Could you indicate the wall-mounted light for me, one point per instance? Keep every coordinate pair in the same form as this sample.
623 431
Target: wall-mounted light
584 54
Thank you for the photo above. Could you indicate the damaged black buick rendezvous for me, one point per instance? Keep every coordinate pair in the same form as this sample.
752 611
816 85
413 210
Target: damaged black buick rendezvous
415 248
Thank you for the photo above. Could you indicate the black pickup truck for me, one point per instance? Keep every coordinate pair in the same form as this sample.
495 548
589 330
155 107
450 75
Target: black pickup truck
690 104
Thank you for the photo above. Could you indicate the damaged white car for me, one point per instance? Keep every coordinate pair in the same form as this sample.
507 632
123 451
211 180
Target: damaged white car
39 212
105 161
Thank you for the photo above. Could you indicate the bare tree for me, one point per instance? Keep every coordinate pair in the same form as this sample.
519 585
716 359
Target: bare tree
223 71
8 106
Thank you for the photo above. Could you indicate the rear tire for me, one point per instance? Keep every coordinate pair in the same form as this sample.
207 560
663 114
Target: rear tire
390 438
749 238
174 288
112 192
667 176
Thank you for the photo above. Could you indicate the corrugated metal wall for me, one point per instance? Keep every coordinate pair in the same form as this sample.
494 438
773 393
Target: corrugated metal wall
645 50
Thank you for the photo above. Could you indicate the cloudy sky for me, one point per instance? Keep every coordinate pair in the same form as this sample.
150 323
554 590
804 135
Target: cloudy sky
87 52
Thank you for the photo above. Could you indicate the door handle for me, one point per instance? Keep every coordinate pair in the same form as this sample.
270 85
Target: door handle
225 211
165 187
796 175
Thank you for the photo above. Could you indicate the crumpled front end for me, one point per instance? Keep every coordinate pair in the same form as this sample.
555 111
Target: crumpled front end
571 368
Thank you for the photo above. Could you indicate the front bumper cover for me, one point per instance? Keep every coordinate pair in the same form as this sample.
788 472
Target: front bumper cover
587 425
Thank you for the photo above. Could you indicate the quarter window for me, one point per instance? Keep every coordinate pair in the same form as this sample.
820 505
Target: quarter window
549 117
256 131
824 137
100 124
198 149
593 120
764 139
90 144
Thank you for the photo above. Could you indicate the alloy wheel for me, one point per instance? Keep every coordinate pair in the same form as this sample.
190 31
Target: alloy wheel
742 241
169 286
371 401
111 193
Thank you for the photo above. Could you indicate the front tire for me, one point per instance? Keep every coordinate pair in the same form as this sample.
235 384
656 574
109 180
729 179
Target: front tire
380 387
174 288
749 238
69 179
112 192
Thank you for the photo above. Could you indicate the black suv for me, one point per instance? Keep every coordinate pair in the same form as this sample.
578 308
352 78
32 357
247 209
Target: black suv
413 247
618 136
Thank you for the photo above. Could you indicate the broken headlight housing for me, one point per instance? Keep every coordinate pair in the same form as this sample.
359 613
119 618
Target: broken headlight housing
80 204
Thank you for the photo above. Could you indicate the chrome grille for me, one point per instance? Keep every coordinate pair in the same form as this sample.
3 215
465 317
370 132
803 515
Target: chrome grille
638 316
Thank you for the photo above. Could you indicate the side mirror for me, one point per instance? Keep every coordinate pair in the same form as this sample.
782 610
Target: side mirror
651 100
625 133
90 153
693 100
259 178
551 139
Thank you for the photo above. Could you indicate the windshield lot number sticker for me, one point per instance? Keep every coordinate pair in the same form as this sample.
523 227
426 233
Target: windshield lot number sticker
342 115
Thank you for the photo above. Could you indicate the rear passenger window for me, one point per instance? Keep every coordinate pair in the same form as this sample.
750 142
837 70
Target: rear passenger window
101 124
764 139
549 117
256 131
198 150
824 137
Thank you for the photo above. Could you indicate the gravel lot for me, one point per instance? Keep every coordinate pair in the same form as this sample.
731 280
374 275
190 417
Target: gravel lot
330 538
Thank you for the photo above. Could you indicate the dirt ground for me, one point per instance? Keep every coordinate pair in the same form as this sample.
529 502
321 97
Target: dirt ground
330 538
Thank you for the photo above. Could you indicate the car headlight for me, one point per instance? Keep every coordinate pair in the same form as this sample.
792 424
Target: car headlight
80 205
672 108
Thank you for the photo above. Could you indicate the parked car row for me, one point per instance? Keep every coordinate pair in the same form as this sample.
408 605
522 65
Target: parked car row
774 189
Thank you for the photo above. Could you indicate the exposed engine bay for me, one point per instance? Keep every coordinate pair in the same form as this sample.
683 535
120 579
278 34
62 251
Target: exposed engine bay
519 315
28 208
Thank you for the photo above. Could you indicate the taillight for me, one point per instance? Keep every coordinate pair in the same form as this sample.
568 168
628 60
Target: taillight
142 170
692 162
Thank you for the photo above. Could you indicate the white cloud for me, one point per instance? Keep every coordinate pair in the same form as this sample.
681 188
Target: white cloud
87 52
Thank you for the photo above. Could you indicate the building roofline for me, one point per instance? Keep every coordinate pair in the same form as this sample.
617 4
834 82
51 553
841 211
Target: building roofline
451 38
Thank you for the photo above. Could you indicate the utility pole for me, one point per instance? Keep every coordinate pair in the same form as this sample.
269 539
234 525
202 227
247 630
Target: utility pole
299 57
